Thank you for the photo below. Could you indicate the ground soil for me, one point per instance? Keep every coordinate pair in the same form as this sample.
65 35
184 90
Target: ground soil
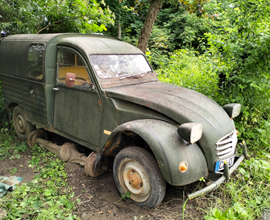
100 198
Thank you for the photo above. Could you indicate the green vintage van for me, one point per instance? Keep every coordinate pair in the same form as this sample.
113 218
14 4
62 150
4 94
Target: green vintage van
102 93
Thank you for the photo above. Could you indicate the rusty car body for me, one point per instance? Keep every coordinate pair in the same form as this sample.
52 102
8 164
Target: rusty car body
102 93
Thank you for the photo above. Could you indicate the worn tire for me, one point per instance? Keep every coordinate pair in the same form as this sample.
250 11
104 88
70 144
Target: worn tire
143 178
22 127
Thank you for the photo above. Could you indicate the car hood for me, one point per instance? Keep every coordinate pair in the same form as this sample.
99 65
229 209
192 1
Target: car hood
183 106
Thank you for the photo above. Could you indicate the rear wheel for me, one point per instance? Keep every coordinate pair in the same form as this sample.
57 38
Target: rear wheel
136 171
21 125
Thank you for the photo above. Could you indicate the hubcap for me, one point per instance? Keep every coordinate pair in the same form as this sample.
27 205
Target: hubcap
20 123
133 178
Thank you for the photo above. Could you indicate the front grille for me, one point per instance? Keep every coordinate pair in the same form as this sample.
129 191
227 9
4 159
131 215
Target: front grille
226 145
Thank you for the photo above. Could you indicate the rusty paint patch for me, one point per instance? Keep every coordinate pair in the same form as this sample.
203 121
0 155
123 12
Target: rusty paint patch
112 149
134 179
148 104
108 144
99 102
130 134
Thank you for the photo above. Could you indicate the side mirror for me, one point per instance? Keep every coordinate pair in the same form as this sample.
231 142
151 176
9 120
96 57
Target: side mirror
190 132
70 79
233 109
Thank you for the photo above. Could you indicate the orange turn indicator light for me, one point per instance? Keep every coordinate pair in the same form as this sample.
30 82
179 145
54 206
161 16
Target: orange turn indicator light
183 167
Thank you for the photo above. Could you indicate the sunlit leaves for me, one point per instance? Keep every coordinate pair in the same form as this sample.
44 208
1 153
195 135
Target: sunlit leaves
38 16
188 70
242 43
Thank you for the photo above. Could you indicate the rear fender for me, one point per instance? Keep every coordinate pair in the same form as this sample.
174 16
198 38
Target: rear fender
167 146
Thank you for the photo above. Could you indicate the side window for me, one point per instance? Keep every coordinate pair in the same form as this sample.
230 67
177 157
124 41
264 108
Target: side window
70 62
35 61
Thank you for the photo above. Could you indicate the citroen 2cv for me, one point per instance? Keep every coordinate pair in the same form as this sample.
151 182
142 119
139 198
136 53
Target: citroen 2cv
102 93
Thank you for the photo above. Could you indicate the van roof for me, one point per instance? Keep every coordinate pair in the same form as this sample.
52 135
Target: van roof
89 43
14 49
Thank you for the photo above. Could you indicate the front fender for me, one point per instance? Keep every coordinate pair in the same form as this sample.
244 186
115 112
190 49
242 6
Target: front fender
168 147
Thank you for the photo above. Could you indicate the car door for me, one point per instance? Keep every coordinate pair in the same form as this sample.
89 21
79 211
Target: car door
76 109
32 89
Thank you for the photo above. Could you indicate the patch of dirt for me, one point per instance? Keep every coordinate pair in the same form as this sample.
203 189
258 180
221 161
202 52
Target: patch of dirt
100 198
21 164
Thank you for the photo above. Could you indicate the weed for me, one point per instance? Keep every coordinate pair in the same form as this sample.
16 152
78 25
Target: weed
13 170
47 196
125 196
249 191
10 149
15 156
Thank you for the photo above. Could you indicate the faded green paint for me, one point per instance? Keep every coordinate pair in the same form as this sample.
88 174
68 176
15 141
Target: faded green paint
183 106
169 149
94 117
77 112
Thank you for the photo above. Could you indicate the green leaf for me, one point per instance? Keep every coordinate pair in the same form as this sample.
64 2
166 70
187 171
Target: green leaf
50 203
47 192
128 194
123 196
217 213
241 210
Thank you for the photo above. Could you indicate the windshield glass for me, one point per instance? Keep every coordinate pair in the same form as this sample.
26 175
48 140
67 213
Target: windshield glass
108 66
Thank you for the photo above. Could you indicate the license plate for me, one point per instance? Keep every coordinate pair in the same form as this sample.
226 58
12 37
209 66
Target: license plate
220 164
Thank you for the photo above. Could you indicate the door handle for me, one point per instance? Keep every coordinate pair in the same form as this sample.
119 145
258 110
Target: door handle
56 89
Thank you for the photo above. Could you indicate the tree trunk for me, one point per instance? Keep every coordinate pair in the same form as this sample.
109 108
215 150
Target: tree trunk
119 28
154 8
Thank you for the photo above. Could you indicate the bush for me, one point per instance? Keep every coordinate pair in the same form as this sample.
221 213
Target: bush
188 70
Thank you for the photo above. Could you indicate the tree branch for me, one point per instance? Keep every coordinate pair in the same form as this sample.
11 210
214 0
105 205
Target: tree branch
49 25
39 24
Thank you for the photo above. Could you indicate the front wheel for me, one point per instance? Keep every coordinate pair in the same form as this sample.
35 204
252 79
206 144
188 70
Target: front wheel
136 171
21 125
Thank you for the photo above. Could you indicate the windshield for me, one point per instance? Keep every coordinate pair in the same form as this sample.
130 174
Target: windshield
109 66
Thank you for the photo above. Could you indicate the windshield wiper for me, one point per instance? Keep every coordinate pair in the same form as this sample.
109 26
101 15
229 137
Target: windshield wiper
136 76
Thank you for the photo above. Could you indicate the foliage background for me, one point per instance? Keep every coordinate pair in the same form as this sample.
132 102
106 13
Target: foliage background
53 16
223 53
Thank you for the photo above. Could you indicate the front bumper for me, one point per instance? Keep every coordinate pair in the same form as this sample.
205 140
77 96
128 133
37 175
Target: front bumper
225 176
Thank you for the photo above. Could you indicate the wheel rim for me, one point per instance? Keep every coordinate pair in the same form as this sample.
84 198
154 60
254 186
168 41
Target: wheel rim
20 124
133 178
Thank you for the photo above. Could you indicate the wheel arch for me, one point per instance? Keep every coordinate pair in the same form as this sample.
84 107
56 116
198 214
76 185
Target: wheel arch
12 105
163 141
